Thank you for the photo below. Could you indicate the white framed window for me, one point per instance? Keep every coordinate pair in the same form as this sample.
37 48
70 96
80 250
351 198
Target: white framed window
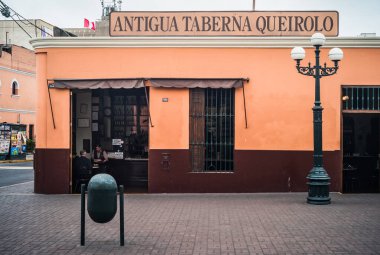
15 88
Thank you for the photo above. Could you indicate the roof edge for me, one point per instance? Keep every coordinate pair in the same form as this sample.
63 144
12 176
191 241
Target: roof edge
199 42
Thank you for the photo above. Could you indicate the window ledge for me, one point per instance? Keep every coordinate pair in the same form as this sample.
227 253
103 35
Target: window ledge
16 96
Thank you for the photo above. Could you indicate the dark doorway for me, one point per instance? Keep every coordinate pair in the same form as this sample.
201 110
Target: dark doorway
361 152
118 120
31 131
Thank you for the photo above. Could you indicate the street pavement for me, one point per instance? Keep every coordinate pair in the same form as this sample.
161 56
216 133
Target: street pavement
271 223
13 173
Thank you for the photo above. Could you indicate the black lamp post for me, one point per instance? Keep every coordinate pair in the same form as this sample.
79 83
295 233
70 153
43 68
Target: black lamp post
318 179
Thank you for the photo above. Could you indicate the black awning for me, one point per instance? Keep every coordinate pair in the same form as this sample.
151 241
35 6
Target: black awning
98 84
197 83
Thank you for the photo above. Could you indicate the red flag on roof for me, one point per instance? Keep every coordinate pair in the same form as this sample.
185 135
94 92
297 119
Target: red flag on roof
89 24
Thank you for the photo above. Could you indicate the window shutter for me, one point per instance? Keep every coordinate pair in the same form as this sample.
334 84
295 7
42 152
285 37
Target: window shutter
197 129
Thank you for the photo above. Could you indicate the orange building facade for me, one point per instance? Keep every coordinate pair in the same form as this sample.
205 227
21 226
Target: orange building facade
18 88
270 118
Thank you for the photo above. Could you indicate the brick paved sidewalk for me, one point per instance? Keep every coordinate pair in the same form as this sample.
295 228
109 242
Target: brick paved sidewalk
280 223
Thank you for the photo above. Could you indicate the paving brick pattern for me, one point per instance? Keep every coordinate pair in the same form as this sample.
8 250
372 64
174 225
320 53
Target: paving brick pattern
280 223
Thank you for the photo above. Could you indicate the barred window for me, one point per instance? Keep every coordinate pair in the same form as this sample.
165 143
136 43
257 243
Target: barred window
212 116
361 98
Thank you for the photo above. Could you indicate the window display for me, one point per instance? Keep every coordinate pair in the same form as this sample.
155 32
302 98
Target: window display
129 121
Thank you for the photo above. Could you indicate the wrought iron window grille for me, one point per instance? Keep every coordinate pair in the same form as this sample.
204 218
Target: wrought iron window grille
212 120
361 98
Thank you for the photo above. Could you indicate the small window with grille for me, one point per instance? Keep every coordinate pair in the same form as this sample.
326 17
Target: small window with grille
212 116
361 98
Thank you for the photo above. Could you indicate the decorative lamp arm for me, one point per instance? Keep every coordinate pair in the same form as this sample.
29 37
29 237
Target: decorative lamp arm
328 71
305 70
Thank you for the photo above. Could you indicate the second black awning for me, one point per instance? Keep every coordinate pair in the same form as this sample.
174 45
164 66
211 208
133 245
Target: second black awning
197 83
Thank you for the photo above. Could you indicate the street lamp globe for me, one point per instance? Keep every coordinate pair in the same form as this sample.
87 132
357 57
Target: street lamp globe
297 53
335 54
318 39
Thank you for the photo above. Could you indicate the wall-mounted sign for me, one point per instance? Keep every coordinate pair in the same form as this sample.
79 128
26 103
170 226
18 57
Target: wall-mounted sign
117 142
281 23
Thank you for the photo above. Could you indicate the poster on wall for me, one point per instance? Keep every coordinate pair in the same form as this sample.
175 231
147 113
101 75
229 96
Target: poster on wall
5 140
18 141
4 146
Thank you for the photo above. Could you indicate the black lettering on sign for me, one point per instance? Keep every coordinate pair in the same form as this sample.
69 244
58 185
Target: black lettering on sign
261 24
224 23
328 23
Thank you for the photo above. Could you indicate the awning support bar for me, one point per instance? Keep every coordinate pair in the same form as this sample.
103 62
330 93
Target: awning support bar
147 102
51 106
245 110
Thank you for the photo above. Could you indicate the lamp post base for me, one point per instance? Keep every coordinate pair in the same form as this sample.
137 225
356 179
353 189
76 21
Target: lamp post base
318 182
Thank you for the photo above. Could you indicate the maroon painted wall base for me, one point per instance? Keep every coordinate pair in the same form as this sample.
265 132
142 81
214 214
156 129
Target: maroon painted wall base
52 171
255 171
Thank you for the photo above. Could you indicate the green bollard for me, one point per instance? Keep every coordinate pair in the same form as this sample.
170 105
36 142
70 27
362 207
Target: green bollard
102 198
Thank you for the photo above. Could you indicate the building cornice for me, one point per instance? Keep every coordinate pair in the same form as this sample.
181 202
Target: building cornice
17 71
17 111
199 42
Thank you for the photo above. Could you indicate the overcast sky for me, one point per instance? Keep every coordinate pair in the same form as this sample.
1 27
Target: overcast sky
355 16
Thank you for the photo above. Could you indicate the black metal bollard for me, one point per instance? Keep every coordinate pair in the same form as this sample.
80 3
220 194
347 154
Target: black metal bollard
82 213
121 202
